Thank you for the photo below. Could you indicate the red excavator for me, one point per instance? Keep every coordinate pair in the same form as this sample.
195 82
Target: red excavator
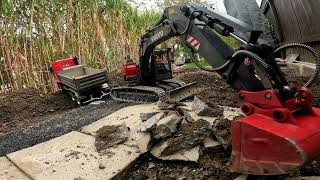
280 131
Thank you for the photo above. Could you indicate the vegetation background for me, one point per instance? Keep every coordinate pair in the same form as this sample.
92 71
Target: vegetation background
34 33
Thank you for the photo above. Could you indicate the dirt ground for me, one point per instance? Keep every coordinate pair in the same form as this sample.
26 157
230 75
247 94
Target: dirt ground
212 162
27 107
24 108
216 90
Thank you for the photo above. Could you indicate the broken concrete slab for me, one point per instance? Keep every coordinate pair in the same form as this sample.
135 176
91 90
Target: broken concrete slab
187 137
146 116
72 156
165 105
187 155
8 171
209 142
108 136
166 127
228 113
151 123
202 109
129 115
143 141
185 113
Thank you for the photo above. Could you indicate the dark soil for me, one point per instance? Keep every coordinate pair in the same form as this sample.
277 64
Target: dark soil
116 79
216 91
148 167
27 107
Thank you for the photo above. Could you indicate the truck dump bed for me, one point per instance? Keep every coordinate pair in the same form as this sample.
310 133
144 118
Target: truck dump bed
80 78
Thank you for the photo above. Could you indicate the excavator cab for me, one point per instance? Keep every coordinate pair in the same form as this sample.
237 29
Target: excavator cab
162 64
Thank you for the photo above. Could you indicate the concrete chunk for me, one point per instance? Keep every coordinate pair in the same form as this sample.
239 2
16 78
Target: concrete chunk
151 123
187 155
187 137
202 109
186 114
108 136
8 171
166 127
72 156
209 142
145 116
143 141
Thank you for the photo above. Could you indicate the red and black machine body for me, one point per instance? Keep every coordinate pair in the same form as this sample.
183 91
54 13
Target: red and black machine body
160 65
81 83
281 130
60 65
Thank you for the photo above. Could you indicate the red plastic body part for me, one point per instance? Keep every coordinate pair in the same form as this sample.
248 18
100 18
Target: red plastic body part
275 137
62 64
130 70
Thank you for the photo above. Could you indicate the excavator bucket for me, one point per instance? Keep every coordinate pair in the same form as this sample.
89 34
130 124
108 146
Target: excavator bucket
274 141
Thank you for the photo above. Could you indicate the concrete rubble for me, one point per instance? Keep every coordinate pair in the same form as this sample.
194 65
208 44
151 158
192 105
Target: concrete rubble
188 136
202 109
145 116
107 147
108 136
166 127
150 123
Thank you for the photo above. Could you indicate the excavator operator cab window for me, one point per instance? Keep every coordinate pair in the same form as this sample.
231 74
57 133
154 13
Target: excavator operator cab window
162 64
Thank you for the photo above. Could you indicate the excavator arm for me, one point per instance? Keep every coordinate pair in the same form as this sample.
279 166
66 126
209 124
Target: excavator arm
198 29
280 130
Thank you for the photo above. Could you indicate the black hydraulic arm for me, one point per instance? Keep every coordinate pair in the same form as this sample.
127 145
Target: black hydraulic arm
197 27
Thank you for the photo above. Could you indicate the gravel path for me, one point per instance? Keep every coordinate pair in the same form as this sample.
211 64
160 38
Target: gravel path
52 128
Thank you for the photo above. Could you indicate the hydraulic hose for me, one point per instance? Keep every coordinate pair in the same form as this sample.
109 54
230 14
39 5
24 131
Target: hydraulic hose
252 55
316 74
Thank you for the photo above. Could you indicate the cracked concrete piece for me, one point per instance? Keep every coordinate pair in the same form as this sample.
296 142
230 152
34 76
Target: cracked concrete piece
151 123
228 113
186 114
189 155
166 127
202 109
143 141
128 115
8 171
146 116
209 142
108 136
72 156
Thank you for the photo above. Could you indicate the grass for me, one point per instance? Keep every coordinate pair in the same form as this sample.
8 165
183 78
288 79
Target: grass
194 66
35 33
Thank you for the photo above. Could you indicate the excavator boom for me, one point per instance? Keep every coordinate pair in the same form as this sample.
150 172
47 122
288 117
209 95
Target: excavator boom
281 129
